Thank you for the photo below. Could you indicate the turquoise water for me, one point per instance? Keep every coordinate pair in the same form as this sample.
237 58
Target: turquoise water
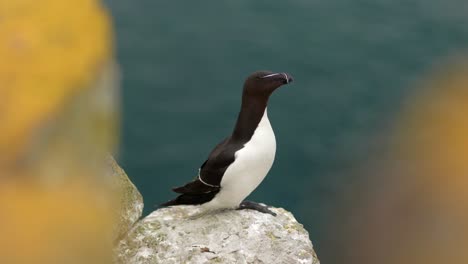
183 66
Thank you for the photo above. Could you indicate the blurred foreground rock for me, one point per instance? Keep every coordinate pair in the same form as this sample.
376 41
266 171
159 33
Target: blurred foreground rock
169 236
59 115
131 201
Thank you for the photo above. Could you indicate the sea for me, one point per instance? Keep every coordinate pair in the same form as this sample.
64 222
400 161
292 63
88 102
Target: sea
183 64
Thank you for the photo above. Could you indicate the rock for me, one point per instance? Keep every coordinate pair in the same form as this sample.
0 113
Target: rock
50 61
131 201
168 235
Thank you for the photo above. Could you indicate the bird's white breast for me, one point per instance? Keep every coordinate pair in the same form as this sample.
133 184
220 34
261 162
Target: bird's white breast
250 167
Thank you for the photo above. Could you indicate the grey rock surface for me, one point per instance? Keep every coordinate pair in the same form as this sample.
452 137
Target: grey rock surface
130 206
169 235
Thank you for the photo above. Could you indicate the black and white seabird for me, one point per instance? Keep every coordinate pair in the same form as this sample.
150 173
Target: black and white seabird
239 163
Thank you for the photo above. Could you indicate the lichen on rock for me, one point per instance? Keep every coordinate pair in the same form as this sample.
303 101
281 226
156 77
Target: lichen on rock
130 206
169 235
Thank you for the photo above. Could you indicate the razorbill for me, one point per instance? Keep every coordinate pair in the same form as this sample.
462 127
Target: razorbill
239 163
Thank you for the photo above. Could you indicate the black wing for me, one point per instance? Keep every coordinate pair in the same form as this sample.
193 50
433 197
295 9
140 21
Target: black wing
211 172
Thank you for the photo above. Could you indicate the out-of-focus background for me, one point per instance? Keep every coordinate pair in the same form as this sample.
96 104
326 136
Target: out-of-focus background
355 63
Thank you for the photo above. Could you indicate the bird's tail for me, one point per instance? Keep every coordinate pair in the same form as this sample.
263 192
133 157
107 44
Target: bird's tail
169 203
190 199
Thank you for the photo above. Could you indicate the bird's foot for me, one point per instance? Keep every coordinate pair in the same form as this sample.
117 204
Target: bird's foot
255 206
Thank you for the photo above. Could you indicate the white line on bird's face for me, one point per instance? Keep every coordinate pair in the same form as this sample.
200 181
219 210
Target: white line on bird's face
270 75
275 74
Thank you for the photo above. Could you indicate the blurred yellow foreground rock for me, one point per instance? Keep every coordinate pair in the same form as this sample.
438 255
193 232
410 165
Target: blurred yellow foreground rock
58 121
51 53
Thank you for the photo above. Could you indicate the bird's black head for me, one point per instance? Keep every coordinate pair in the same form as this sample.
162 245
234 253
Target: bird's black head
263 83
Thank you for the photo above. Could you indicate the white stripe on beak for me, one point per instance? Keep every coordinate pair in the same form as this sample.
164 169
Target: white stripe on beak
286 77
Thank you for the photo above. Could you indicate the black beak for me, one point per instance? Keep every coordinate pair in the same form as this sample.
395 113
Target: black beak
284 77
287 78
